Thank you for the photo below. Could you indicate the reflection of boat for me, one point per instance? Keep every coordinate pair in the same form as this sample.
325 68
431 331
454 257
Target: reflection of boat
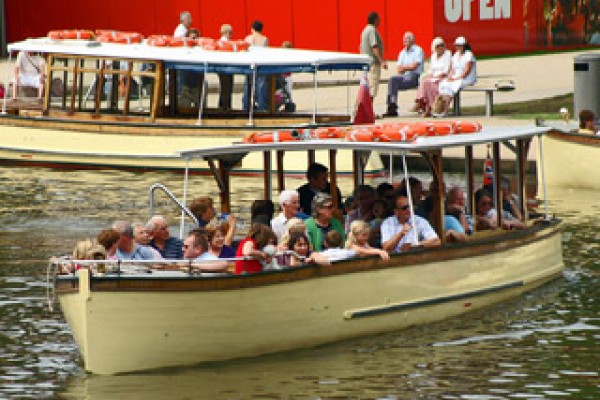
134 321
573 159
125 106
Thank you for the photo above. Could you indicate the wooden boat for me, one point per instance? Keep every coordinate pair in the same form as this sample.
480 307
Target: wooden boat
122 104
127 321
573 159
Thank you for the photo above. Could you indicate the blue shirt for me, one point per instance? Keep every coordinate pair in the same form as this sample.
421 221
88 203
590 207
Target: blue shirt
138 253
172 250
414 54
452 224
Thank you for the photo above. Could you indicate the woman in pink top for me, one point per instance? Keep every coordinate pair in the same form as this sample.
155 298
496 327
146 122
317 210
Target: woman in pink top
439 66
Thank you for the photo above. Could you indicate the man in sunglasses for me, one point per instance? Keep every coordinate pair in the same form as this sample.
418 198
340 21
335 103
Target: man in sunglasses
397 231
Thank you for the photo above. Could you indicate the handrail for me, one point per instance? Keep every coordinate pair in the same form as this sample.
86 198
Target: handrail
170 194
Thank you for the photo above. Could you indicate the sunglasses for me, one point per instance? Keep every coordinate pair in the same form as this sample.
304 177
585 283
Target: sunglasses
404 208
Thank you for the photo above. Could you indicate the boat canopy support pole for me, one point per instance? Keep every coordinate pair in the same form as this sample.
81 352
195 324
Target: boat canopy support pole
521 168
158 92
185 191
470 201
7 81
541 153
333 181
202 97
359 161
311 157
496 182
225 194
280 171
173 76
99 88
415 241
127 88
314 115
251 97
74 91
268 185
434 159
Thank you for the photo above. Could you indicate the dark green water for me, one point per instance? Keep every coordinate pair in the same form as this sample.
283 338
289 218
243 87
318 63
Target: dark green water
542 345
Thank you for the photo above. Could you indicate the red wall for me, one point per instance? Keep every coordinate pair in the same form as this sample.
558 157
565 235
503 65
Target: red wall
312 24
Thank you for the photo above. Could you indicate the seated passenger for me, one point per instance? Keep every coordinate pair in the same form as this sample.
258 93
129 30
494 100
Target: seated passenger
293 225
258 237
398 231
168 246
463 72
317 176
380 212
301 254
333 248
203 209
365 196
262 211
127 248
487 216
219 243
195 247
386 192
358 240
289 202
587 123
455 207
30 71
142 236
85 249
322 221
416 191
109 238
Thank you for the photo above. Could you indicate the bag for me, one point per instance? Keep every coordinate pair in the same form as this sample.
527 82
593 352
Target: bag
57 88
438 105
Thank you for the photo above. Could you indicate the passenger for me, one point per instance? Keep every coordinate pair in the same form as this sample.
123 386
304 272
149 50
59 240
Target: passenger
380 213
262 211
322 221
258 237
293 225
219 244
168 246
289 202
587 123
455 207
358 240
397 231
416 190
463 72
29 72
225 80
271 262
109 239
333 248
185 21
285 86
439 66
487 216
385 192
195 247
85 249
203 209
510 202
317 182
365 196
300 246
256 38
142 236
127 248
410 67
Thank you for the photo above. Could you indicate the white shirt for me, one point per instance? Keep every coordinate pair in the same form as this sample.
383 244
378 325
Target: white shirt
278 224
459 65
391 226
414 54
180 31
440 65
337 254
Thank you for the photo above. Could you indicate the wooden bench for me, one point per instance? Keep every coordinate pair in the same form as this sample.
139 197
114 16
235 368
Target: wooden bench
489 97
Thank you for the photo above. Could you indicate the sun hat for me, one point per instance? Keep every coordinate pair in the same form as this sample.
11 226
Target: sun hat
460 41
436 42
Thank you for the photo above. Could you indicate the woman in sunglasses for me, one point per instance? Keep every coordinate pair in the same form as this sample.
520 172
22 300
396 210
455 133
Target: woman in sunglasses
322 221
487 216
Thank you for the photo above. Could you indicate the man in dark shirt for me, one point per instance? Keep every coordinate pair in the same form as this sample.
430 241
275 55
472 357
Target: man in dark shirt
168 246
317 182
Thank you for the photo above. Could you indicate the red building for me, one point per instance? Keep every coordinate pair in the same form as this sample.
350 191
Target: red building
492 26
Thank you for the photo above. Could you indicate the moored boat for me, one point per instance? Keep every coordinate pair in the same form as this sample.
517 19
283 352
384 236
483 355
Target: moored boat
127 320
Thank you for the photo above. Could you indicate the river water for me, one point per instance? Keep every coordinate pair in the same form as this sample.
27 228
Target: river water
542 345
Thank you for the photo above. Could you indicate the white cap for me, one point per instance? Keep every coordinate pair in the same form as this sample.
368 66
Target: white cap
460 41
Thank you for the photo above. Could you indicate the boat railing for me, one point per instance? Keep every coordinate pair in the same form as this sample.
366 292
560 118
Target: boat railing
184 210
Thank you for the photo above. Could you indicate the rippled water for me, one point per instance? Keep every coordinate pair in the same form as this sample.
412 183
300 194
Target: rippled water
541 345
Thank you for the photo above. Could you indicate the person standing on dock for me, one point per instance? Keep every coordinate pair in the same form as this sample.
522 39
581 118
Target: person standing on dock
372 45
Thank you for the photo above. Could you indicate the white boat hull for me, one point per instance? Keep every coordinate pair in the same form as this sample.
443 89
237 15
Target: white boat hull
571 160
139 325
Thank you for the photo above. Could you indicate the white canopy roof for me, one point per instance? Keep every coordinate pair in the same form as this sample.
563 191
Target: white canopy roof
268 60
487 135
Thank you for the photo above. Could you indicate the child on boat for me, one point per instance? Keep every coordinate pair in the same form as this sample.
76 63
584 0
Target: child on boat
358 240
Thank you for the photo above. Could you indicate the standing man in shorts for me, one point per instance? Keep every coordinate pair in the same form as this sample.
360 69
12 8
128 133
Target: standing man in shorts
372 45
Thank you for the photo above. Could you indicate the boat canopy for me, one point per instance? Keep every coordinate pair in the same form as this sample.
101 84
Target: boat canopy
262 60
487 135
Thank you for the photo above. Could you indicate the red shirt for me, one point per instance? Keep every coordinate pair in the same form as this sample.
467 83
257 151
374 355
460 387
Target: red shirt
249 266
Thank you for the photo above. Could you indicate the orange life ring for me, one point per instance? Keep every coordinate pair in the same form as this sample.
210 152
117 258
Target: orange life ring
71 34
119 37
329 133
467 126
399 132
275 136
232 45
156 41
363 134
180 41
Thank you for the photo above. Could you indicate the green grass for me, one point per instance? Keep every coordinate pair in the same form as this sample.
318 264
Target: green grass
544 108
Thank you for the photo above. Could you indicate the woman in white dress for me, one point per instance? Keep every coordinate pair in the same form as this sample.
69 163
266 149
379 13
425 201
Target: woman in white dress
462 73
439 66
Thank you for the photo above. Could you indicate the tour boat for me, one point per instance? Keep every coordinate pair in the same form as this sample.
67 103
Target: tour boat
113 100
573 159
125 317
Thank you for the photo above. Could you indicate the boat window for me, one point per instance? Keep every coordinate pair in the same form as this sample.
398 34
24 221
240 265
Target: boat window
101 86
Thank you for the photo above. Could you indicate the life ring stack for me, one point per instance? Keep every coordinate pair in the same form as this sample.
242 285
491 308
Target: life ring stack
389 132
73 34
119 37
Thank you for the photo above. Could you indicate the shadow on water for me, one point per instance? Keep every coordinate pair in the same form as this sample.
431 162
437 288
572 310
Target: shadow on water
541 345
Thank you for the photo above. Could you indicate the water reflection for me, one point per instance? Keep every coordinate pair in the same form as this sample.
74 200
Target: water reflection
542 345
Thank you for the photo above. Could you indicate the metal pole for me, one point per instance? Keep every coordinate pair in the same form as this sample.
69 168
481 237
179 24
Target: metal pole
391 177
251 99
410 202
7 83
314 116
348 93
3 40
202 94
185 189
540 147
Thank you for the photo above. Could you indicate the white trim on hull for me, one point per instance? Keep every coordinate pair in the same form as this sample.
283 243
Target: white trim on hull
121 331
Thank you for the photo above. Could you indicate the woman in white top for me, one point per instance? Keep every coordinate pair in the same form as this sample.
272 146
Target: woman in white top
439 66
462 73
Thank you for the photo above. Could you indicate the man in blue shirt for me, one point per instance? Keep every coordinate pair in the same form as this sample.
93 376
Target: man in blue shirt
410 68
168 246
127 248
